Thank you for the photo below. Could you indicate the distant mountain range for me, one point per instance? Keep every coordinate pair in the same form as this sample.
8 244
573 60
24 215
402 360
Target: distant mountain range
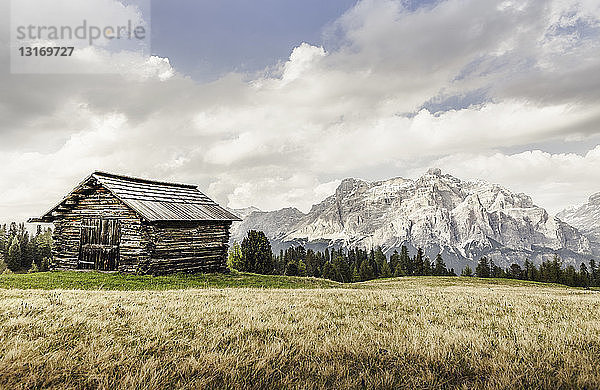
586 218
463 220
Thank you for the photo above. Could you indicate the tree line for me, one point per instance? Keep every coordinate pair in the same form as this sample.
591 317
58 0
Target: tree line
550 271
20 251
255 254
342 265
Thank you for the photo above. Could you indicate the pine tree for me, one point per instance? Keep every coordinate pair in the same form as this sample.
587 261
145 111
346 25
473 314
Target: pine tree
301 268
26 250
312 264
467 271
427 267
531 271
483 268
570 276
380 259
515 271
340 268
327 272
3 240
291 269
551 271
365 271
257 253
594 274
355 274
372 263
399 272
279 263
406 264
386 271
584 276
440 266
418 263
13 260
394 262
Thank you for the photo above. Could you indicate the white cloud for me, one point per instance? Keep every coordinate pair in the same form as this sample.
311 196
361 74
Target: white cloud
553 180
356 109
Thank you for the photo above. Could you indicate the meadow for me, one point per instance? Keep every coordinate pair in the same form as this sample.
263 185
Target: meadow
417 332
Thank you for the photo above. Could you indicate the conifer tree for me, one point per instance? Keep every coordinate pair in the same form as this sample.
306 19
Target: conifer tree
13 260
380 259
386 271
3 266
340 268
372 263
427 267
365 271
483 268
291 268
3 240
301 268
418 263
399 272
515 271
584 276
440 266
406 264
327 272
467 271
355 274
394 262
531 271
594 274
312 264
570 276
257 253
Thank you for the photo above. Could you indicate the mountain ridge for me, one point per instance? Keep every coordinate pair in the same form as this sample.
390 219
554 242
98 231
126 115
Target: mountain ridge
585 217
437 212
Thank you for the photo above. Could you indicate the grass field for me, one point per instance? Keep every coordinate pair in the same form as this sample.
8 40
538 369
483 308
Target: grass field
115 281
422 332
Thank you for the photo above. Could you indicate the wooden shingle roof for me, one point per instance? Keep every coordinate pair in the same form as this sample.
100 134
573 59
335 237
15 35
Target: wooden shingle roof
155 201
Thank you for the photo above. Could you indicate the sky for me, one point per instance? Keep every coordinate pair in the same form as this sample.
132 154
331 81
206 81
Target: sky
271 103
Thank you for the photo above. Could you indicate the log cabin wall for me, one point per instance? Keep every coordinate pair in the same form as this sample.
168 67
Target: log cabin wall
97 202
197 247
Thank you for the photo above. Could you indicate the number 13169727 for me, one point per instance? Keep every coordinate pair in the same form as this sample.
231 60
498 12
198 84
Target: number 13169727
59 51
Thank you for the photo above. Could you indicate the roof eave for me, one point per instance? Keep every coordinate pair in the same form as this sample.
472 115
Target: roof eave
47 217
192 220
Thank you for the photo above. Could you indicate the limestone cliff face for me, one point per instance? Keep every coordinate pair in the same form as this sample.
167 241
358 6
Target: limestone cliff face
464 220
586 218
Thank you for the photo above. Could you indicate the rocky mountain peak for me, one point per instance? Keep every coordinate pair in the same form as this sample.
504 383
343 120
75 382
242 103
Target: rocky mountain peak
586 218
595 199
434 172
437 212
349 186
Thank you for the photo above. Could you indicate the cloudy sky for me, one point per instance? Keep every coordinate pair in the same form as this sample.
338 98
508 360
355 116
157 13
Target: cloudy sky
271 103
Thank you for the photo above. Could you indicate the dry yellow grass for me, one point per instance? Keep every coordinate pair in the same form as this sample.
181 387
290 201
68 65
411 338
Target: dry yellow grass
407 333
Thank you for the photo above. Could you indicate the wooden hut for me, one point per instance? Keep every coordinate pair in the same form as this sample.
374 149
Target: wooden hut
119 223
